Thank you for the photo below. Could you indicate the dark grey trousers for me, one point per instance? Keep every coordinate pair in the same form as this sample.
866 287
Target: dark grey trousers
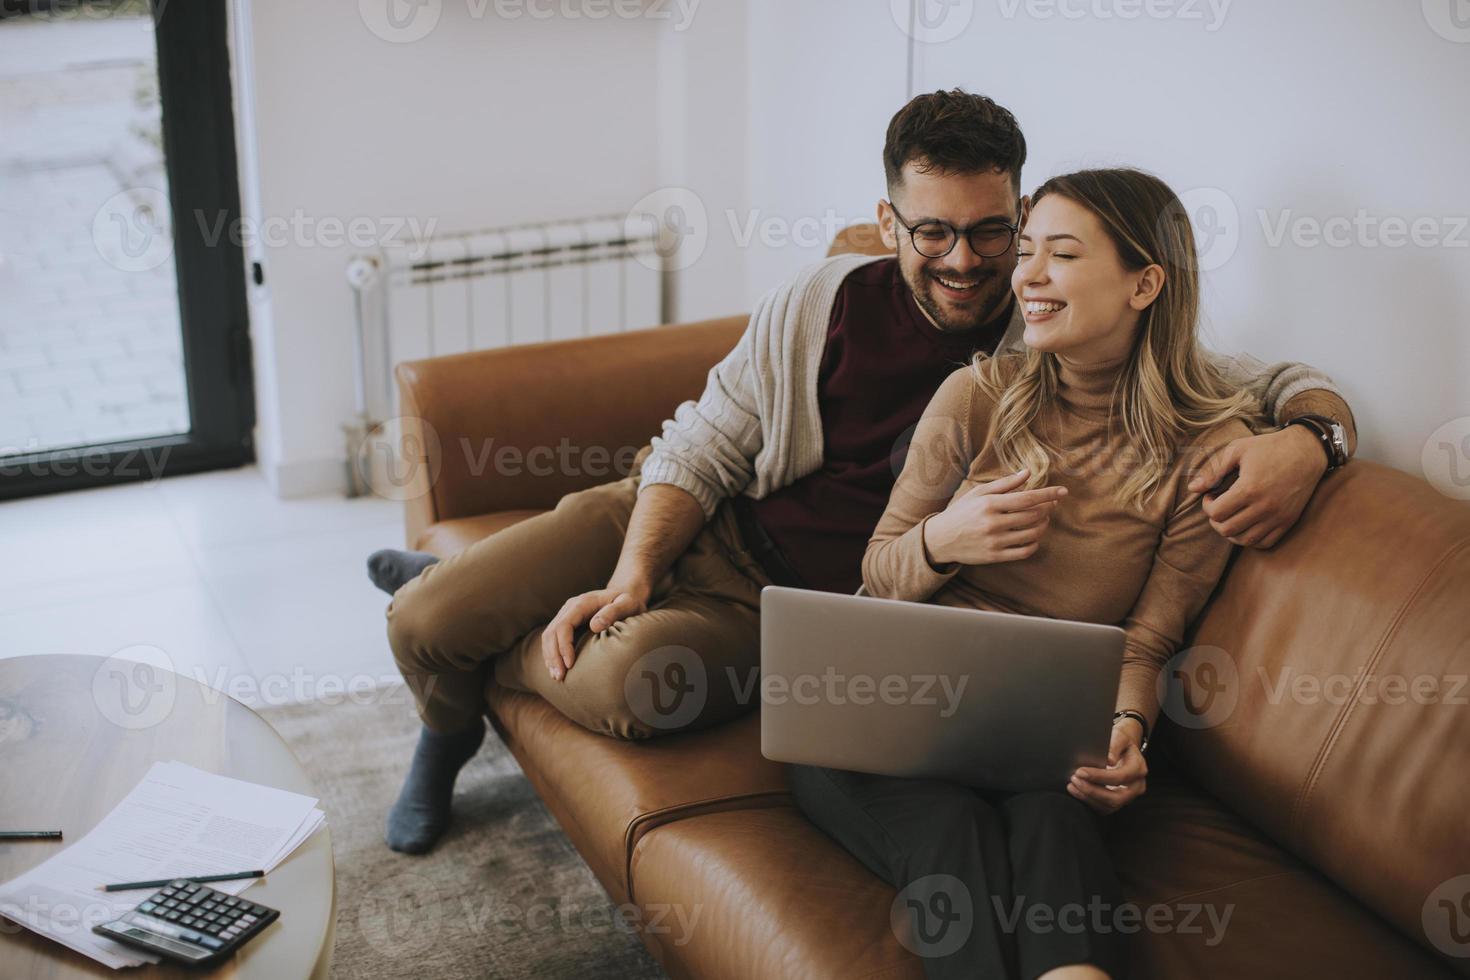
990 884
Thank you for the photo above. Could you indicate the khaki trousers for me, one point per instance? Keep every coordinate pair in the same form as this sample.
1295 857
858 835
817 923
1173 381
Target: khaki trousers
690 661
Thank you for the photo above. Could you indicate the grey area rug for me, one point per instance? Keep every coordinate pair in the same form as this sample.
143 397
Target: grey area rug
504 894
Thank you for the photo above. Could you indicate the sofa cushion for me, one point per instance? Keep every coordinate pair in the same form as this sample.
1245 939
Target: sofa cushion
773 896
765 893
607 794
1183 851
1336 662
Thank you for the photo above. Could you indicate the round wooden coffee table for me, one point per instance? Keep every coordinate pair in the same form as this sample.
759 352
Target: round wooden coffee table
74 741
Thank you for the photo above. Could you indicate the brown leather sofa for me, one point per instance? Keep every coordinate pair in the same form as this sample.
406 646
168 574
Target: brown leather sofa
1325 807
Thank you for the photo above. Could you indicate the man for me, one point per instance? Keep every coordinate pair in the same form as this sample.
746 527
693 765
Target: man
777 474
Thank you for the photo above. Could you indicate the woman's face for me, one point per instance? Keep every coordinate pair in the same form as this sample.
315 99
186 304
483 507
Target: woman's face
1078 299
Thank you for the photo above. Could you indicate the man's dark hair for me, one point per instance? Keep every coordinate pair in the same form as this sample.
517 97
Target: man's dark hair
953 132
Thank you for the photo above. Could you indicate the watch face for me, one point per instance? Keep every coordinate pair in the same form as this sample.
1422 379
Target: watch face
1339 445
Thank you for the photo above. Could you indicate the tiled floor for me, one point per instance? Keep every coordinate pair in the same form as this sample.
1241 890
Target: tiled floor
264 599
89 331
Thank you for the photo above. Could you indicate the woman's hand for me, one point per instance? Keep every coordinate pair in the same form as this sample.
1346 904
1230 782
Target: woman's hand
1123 781
994 522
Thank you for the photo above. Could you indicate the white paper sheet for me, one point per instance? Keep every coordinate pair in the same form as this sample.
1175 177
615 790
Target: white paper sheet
177 822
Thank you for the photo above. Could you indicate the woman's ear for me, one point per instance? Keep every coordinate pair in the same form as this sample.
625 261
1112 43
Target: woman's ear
885 224
1150 283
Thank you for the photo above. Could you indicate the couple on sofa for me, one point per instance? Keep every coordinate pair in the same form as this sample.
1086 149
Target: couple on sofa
1068 444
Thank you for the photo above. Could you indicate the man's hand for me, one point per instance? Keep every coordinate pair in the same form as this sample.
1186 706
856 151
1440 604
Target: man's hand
1278 472
1125 778
664 522
992 523
599 609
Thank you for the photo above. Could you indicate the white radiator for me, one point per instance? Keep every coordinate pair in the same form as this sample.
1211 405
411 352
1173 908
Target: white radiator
471 291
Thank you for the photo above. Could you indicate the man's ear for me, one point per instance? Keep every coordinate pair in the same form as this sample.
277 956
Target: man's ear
1150 283
885 225
1025 209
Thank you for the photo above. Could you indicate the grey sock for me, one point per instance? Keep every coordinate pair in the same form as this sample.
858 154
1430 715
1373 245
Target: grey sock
421 813
391 568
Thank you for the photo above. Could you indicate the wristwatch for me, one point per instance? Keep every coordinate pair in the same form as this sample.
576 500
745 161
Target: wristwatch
1330 433
1142 722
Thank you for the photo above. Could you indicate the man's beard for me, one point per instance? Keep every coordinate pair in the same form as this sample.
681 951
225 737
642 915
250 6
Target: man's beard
992 297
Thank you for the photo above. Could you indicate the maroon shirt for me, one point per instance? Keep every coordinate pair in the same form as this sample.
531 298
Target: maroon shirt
882 364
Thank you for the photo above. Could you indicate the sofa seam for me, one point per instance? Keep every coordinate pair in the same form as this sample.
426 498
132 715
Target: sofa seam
1234 884
1325 752
682 811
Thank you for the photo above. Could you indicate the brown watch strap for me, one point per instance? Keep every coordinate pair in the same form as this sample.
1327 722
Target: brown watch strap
1317 427
1142 723
1331 427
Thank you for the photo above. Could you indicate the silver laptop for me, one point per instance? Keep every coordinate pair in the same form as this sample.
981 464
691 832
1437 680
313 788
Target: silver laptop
993 700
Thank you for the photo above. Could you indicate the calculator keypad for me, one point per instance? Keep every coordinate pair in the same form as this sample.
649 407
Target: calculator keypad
188 912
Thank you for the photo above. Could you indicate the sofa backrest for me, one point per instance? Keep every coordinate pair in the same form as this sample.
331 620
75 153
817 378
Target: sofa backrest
1324 695
863 239
593 401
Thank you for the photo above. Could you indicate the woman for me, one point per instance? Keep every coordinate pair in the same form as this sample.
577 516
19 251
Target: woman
1101 421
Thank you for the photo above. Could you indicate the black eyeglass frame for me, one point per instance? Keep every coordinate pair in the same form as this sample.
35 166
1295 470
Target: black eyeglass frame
956 233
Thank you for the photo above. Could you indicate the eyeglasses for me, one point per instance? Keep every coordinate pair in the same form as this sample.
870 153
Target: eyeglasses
936 239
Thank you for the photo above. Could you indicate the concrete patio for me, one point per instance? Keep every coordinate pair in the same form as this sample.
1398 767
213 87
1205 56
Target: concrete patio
90 347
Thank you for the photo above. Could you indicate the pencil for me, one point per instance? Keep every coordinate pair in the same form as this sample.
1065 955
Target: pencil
30 835
124 886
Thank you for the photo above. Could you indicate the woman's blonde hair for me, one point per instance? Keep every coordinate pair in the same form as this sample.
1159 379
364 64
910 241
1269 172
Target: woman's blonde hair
1167 390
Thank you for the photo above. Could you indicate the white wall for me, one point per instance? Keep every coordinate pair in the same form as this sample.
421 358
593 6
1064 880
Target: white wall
483 121
825 78
770 115
703 106
1314 109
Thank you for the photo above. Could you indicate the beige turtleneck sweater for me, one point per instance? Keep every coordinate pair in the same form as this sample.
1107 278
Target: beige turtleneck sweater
1100 561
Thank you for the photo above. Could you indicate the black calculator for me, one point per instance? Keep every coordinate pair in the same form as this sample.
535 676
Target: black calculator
189 923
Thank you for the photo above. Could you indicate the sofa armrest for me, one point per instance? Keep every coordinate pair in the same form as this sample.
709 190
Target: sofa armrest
518 428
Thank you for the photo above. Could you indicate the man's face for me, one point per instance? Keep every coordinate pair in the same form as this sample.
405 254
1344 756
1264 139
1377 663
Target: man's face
959 291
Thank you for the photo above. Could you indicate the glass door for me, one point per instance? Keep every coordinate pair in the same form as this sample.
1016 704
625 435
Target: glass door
124 349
